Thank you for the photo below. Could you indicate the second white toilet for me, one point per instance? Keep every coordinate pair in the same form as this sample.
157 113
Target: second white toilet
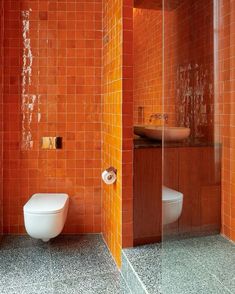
45 215
172 205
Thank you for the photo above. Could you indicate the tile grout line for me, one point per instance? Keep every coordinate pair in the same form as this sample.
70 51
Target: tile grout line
49 284
211 274
135 273
26 285
126 283
51 271
85 275
214 276
106 245
48 247
125 280
227 239
115 262
32 246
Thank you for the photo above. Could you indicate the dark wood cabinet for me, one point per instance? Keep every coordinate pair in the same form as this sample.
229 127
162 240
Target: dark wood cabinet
194 171
147 195
199 181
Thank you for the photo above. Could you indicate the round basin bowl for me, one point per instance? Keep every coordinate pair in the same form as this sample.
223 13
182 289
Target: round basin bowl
139 130
167 133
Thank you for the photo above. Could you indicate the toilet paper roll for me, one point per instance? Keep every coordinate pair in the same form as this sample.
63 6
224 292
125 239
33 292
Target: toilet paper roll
109 177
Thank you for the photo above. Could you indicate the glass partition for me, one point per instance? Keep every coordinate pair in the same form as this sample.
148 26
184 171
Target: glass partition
1 115
191 192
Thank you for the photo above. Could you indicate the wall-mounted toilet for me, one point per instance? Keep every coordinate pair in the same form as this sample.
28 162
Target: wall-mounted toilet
172 204
45 215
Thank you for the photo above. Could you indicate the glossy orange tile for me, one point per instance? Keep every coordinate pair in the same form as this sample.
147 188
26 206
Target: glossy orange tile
226 115
63 76
12 81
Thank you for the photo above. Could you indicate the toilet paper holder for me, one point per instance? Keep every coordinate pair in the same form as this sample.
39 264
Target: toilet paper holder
109 175
111 168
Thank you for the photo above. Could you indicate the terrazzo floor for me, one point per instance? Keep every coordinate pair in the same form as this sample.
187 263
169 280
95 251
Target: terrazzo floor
67 264
203 265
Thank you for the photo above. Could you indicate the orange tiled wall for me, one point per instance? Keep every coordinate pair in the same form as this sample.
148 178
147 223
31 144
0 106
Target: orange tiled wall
59 96
58 93
188 42
112 123
227 111
1 114
147 65
127 125
188 55
117 123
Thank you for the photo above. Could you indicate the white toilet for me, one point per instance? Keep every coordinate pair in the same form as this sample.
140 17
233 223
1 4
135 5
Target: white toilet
172 204
45 215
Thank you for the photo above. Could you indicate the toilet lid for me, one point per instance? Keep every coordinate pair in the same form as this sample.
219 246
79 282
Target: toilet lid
46 203
170 195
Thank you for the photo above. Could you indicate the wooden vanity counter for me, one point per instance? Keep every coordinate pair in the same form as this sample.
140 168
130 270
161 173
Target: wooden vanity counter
191 167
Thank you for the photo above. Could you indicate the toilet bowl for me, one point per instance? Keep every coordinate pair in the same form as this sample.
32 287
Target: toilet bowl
45 215
172 204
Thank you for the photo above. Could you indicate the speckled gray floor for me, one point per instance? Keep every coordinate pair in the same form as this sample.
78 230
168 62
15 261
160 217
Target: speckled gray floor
68 264
197 265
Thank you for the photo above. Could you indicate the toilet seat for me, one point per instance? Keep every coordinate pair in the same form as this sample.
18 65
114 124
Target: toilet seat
170 195
46 203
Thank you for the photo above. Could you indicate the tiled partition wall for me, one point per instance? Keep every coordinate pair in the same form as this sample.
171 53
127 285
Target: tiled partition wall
112 123
1 113
127 125
227 111
52 87
117 123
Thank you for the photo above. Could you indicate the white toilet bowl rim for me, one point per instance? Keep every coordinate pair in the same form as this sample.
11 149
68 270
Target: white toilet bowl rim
171 196
172 201
44 213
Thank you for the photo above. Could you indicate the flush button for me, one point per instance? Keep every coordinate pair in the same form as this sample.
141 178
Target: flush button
51 143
